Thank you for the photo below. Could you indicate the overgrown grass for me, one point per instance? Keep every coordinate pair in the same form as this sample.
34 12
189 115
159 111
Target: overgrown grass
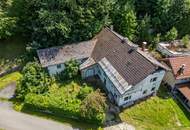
7 79
69 90
158 113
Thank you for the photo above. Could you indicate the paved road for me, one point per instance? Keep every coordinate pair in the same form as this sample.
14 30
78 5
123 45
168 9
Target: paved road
12 120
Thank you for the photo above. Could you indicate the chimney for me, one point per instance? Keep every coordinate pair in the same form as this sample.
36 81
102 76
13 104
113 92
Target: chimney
181 70
144 46
124 40
111 27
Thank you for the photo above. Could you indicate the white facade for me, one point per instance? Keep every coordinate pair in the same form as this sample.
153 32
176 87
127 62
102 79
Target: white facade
169 78
55 69
145 88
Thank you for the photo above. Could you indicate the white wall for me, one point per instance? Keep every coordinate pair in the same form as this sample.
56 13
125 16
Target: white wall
136 92
98 71
54 70
109 85
169 79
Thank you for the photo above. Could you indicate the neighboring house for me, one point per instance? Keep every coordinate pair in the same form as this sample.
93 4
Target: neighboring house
127 72
179 78
173 49
54 58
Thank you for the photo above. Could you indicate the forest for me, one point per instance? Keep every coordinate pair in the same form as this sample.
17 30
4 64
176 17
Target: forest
48 23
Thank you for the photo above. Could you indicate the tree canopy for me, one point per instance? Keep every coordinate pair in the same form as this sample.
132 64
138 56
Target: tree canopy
54 22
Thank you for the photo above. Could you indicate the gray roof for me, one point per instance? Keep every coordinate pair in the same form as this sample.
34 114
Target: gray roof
61 54
118 81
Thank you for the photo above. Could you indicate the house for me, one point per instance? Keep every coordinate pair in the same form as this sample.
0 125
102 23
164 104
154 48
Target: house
54 58
127 72
179 78
173 49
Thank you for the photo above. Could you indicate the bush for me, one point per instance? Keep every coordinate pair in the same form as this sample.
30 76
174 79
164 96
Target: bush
84 91
35 80
186 41
171 35
64 101
93 106
71 71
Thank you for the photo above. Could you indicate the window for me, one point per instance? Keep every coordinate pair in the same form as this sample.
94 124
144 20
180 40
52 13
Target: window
127 98
153 88
153 79
99 72
59 66
145 91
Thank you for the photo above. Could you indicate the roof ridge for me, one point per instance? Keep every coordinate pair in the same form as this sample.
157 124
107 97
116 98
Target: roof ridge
151 58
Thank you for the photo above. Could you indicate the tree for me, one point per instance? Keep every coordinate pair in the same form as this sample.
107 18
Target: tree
34 80
94 105
7 23
4 4
171 35
160 15
51 22
7 26
144 28
124 19
186 41
71 69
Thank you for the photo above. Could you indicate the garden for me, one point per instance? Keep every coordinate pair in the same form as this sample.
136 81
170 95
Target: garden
65 95
161 112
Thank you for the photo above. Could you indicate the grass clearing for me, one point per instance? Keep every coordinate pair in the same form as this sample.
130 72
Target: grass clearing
12 48
11 51
158 113
9 78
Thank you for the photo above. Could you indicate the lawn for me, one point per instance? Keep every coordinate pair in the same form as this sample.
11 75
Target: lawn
158 113
5 80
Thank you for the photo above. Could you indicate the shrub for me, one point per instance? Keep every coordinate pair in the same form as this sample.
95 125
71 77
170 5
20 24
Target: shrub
186 41
34 80
171 35
84 91
71 69
64 101
93 106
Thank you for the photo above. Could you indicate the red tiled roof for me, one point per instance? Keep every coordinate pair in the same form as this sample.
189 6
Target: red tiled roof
185 90
175 64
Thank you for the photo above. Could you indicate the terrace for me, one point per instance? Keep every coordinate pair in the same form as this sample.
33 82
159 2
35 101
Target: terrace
172 49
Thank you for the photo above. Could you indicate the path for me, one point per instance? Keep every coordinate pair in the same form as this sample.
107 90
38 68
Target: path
8 91
13 120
